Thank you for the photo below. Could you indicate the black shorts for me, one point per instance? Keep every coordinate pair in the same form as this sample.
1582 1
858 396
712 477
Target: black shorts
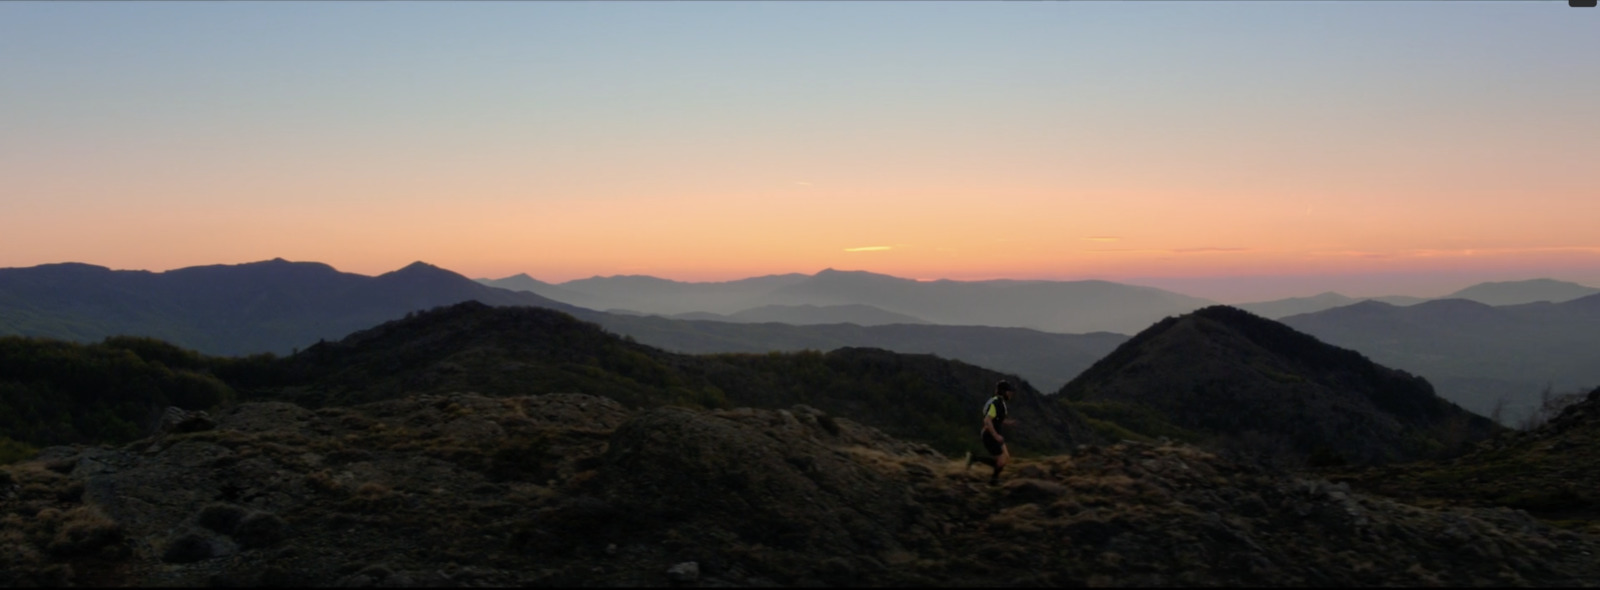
995 447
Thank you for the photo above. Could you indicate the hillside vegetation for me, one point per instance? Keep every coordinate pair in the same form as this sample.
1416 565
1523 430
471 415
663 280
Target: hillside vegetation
54 392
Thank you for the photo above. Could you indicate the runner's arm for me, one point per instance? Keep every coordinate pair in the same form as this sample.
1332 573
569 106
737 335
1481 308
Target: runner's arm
988 426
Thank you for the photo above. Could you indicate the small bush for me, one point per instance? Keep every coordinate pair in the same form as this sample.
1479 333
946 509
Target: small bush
85 530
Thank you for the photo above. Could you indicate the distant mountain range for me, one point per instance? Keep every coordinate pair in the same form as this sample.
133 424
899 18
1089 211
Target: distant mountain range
1520 292
804 315
1297 305
651 295
1474 353
1052 306
270 306
1046 360
1250 384
1501 293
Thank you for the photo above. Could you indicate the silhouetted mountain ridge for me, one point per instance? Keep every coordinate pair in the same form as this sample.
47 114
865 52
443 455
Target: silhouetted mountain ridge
1259 385
807 314
1474 353
268 306
1519 292
1054 306
1489 293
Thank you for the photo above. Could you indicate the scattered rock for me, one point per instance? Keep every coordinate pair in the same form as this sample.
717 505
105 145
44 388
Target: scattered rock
176 420
684 573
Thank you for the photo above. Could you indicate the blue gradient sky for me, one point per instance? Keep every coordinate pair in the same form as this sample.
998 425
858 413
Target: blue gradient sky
1421 145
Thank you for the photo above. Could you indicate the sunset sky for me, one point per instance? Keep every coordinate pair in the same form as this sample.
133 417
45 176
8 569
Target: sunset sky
1237 150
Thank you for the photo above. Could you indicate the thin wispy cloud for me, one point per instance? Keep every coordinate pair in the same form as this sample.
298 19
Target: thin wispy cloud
1453 252
869 249
1352 254
1446 252
1206 250
1103 238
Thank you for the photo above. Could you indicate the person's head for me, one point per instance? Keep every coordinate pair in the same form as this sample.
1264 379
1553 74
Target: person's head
1004 389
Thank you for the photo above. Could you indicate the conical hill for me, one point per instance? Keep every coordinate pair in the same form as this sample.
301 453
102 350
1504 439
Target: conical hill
1245 383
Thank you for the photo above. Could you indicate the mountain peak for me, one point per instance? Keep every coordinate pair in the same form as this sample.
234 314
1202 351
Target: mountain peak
419 266
420 269
836 274
1529 291
72 267
278 262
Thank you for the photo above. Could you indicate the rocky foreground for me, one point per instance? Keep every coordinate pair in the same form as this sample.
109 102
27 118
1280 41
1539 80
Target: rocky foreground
567 489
